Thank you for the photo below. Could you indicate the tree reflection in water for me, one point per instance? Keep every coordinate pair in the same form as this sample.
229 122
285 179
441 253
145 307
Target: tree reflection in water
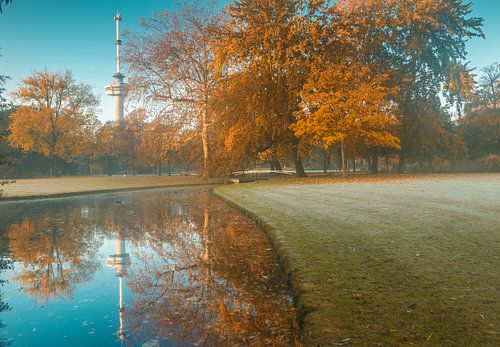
210 281
200 274
57 253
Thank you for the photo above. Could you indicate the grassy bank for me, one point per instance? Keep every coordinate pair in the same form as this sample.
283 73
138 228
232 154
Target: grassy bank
391 261
62 186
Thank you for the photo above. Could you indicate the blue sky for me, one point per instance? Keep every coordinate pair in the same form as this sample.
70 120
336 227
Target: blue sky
79 35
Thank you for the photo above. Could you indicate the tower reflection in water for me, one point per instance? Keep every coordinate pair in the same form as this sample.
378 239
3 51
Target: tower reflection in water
120 262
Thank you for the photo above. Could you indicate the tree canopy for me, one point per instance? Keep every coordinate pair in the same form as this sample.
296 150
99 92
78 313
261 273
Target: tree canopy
57 115
278 81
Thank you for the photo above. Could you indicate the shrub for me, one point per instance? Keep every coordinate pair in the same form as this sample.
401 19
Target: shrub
440 164
3 183
490 162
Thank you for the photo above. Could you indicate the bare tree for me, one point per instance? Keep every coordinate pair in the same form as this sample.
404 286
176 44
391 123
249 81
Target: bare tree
172 65
490 86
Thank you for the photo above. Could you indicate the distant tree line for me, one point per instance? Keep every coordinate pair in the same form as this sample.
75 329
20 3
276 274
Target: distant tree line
351 84
54 130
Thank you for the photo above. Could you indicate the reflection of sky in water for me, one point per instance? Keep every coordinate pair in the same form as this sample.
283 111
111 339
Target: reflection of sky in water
198 273
91 317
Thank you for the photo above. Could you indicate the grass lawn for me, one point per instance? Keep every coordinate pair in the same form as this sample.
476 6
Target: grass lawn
60 186
408 260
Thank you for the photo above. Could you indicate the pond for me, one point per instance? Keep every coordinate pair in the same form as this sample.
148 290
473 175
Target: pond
147 268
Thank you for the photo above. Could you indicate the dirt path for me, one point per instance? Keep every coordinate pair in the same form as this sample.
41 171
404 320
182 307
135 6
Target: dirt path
62 186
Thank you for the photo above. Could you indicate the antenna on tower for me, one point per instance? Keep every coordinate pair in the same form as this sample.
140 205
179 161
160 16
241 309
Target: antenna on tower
118 19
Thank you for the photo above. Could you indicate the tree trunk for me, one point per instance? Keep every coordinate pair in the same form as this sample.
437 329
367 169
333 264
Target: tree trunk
52 169
354 165
402 162
204 141
299 168
277 165
403 138
374 162
159 167
497 132
169 168
342 158
108 165
325 161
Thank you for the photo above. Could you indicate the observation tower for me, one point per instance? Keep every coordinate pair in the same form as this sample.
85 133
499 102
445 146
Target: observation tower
118 89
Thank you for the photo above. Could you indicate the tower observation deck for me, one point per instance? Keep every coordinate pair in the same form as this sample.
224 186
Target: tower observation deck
118 89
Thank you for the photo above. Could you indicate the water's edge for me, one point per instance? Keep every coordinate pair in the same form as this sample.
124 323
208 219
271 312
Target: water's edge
270 317
282 253
97 192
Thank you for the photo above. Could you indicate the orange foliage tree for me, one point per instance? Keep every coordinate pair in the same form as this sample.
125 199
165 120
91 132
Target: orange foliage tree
266 46
344 103
248 77
57 116
422 45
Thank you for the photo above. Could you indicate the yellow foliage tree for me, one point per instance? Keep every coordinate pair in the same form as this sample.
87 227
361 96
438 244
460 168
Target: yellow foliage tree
57 116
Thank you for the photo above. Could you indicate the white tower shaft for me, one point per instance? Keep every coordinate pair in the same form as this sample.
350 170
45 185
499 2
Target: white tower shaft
118 88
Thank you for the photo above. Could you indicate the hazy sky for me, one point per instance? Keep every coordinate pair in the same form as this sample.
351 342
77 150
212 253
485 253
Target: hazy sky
80 35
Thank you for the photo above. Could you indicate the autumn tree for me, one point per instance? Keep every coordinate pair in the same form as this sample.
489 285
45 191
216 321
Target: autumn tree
3 100
489 88
421 43
55 116
242 128
4 111
344 103
3 155
105 147
461 86
480 131
163 134
130 136
480 127
140 141
264 44
121 144
171 65
189 150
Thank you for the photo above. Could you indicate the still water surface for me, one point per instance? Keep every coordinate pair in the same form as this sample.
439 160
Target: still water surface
152 268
